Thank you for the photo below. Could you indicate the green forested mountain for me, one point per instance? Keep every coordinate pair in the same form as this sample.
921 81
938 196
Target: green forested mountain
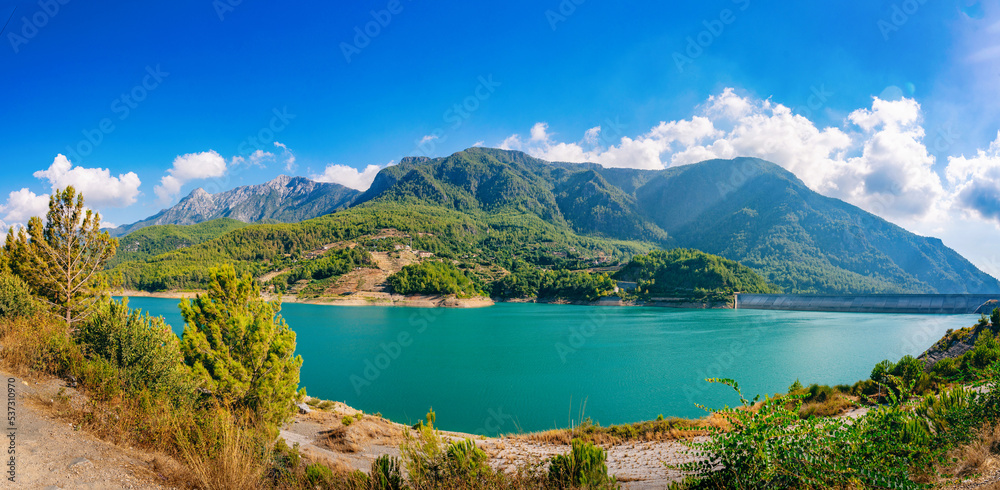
155 240
686 272
497 207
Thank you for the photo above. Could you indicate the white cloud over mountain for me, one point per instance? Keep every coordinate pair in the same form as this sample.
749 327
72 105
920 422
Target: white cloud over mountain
186 168
877 159
349 176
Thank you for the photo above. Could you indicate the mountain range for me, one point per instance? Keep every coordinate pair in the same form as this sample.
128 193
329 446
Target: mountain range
748 210
284 200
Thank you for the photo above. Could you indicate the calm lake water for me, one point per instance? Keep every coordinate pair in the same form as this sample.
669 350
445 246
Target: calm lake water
528 367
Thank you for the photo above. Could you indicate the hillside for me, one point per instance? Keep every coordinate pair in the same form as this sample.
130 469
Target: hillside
284 199
686 273
158 239
499 206
485 241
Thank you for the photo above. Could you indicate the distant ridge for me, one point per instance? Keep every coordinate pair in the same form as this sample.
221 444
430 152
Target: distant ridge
746 210
284 199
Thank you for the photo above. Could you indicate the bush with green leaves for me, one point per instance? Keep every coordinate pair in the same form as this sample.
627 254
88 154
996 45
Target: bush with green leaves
385 474
143 348
318 474
584 466
239 347
16 298
769 446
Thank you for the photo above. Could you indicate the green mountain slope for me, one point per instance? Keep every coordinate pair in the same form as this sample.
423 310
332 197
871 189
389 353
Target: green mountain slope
488 239
761 215
686 273
155 240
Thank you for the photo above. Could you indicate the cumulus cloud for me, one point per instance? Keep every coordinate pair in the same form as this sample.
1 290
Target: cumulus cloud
976 181
97 185
349 176
193 166
877 160
21 206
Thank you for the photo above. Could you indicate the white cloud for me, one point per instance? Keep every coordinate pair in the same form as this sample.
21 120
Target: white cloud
290 165
878 161
349 176
97 185
21 206
428 138
186 168
539 132
258 157
976 181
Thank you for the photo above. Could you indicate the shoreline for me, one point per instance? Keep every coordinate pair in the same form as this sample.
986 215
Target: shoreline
377 299
426 301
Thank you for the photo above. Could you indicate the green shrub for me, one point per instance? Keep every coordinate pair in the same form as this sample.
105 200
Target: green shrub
432 277
16 299
385 474
319 474
239 347
465 461
347 420
585 466
141 347
995 319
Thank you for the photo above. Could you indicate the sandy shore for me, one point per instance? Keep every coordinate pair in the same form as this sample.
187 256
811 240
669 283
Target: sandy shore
322 435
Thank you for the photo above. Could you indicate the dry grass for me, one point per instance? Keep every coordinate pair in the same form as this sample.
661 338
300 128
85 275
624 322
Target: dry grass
830 407
651 431
978 457
36 344
223 452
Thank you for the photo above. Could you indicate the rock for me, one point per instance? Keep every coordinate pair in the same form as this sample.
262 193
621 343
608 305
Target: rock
79 462
303 408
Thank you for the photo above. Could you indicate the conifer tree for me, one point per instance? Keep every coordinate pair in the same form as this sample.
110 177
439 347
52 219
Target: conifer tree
62 258
239 348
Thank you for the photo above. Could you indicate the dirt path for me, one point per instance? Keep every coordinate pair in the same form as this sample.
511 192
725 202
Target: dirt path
52 454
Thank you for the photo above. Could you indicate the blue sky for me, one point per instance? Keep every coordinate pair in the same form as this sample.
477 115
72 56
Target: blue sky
148 101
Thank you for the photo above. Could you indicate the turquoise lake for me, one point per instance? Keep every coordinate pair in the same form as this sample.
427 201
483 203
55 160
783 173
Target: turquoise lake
529 367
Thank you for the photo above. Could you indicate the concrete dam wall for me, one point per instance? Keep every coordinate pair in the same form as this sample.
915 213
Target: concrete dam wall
872 303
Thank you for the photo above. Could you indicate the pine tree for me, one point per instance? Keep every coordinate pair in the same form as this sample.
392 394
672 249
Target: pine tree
239 348
62 259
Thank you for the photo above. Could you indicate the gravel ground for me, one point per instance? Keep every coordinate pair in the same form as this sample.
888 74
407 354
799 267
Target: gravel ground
53 454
